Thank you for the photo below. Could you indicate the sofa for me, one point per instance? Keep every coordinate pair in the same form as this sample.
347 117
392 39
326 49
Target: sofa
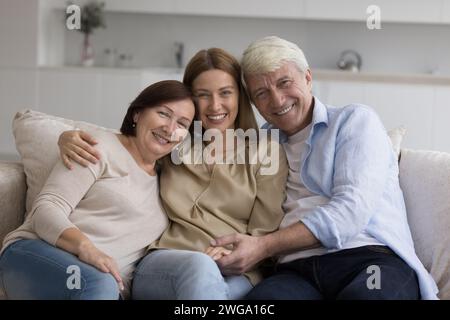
424 179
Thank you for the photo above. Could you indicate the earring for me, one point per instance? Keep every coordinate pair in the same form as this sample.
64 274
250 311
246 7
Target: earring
134 125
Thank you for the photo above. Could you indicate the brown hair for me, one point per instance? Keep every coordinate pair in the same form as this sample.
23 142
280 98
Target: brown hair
216 58
152 96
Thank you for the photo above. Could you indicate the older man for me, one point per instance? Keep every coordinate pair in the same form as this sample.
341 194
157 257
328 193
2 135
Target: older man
345 233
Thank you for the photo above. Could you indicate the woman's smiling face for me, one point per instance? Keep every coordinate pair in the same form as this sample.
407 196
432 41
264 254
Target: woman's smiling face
217 98
160 128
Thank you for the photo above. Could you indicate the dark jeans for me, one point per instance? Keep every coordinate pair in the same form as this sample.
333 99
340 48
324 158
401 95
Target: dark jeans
342 275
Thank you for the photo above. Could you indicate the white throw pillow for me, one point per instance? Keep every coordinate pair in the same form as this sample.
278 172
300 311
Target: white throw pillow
396 136
425 181
36 136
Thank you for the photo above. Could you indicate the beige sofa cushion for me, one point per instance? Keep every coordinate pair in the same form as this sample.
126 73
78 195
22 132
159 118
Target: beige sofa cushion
36 136
12 197
425 181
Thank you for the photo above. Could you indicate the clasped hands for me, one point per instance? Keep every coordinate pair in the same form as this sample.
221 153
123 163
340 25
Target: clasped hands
237 253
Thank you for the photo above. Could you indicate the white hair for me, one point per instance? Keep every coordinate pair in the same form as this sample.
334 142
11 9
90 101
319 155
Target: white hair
269 54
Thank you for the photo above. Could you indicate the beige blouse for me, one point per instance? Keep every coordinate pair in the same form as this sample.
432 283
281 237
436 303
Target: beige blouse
203 202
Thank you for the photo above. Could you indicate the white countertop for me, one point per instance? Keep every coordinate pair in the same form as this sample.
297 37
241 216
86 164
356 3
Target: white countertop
406 78
318 74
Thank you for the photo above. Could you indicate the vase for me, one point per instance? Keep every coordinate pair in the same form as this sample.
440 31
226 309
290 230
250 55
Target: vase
87 53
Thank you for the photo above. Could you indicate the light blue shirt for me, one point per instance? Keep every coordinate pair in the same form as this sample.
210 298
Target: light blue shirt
349 159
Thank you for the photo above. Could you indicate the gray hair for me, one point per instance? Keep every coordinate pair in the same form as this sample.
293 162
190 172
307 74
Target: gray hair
270 53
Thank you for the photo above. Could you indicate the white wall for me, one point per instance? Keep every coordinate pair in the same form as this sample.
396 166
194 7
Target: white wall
18 59
50 33
18 90
31 35
395 48
150 38
18 33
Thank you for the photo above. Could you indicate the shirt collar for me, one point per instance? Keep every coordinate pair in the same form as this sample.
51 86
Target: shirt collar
320 115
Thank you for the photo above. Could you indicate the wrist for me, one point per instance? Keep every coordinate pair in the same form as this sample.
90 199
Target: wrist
267 246
83 246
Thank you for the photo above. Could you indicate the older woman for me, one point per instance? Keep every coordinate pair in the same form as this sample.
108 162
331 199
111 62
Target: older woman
96 222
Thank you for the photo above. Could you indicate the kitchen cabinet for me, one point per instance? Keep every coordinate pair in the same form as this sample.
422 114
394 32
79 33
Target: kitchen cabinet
353 10
339 93
405 105
98 95
410 11
153 75
235 8
117 91
390 11
141 6
446 12
441 119
239 8
409 105
68 93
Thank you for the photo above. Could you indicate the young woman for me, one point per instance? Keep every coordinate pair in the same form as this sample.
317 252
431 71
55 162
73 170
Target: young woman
204 201
96 222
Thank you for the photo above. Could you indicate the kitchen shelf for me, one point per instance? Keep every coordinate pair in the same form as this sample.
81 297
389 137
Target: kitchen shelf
318 74
418 11
406 78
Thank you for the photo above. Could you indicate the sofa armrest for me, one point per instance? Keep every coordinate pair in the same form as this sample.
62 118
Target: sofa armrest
13 190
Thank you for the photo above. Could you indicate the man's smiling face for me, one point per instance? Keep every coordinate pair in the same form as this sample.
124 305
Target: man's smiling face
283 97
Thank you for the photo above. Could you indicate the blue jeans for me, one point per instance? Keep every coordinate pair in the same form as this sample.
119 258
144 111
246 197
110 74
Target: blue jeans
35 270
168 274
343 275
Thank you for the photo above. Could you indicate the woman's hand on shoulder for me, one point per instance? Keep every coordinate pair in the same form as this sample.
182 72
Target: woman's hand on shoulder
77 146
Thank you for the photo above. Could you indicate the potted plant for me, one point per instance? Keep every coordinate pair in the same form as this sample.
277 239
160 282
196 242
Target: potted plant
92 17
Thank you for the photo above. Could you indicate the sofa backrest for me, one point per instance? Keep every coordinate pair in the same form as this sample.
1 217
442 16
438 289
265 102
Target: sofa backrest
425 182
